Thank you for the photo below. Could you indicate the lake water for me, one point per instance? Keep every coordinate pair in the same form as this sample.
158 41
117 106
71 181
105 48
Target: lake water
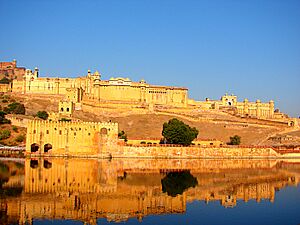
135 191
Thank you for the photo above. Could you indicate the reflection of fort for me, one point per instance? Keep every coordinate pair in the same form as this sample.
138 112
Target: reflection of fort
121 189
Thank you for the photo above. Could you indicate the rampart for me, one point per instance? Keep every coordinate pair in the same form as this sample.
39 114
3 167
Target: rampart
70 138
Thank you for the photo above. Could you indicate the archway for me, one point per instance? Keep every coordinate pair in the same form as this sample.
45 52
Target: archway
47 147
34 147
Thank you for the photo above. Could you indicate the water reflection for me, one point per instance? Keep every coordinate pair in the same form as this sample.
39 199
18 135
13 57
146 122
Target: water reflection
119 189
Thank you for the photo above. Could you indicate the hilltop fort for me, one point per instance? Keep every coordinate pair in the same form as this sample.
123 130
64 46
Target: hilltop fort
141 108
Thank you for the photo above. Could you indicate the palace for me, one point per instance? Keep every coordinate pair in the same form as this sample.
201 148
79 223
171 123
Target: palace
91 91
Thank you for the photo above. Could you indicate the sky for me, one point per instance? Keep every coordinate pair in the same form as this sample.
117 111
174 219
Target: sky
250 48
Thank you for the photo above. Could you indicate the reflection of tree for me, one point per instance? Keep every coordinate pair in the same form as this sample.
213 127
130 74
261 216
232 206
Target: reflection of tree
175 183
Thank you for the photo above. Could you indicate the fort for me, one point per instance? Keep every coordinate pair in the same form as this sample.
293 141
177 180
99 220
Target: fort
120 92
92 95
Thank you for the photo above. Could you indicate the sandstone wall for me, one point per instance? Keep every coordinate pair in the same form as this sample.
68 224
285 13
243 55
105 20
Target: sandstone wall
192 152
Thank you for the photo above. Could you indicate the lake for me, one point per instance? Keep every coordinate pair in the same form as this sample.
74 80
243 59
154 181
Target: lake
149 191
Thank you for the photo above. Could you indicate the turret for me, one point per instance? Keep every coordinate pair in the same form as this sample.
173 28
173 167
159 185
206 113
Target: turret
36 73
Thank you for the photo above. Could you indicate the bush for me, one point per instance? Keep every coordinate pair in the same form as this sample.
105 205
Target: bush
4 134
3 120
15 129
177 132
16 108
42 114
5 80
122 135
20 138
235 140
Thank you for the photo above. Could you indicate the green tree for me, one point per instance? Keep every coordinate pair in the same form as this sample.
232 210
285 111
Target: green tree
5 80
235 140
16 108
122 135
42 114
177 132
3 120
4 134
20 138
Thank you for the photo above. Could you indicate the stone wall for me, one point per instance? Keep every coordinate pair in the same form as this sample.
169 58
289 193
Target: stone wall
192 152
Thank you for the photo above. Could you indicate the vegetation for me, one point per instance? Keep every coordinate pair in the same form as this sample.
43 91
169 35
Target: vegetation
15 108
235 140
5 80
175 183
15 129
3 120
122 135
177 132
20 138
4 134
42 114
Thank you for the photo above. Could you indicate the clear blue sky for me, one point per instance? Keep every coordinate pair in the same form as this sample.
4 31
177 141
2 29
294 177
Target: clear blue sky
247 47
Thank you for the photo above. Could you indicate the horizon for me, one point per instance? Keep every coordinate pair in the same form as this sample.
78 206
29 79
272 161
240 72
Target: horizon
247 48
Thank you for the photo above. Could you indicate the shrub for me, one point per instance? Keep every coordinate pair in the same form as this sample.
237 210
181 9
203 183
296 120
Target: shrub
5 80
3 120
16 108
15 128
122 135
42 114
4 134
235 140
20 138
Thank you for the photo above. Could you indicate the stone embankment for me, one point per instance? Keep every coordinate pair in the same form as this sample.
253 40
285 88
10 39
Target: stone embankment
195 152
173 152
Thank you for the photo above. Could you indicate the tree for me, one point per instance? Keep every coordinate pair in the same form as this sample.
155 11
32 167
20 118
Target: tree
235 140
3 120
4 134
4 80
16 108
42 114
177 132
122 135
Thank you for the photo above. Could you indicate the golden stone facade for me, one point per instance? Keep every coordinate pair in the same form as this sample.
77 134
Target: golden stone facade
122 92
91 87
70 138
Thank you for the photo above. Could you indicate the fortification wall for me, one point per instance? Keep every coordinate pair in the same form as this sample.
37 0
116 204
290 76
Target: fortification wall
192 152
69 138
